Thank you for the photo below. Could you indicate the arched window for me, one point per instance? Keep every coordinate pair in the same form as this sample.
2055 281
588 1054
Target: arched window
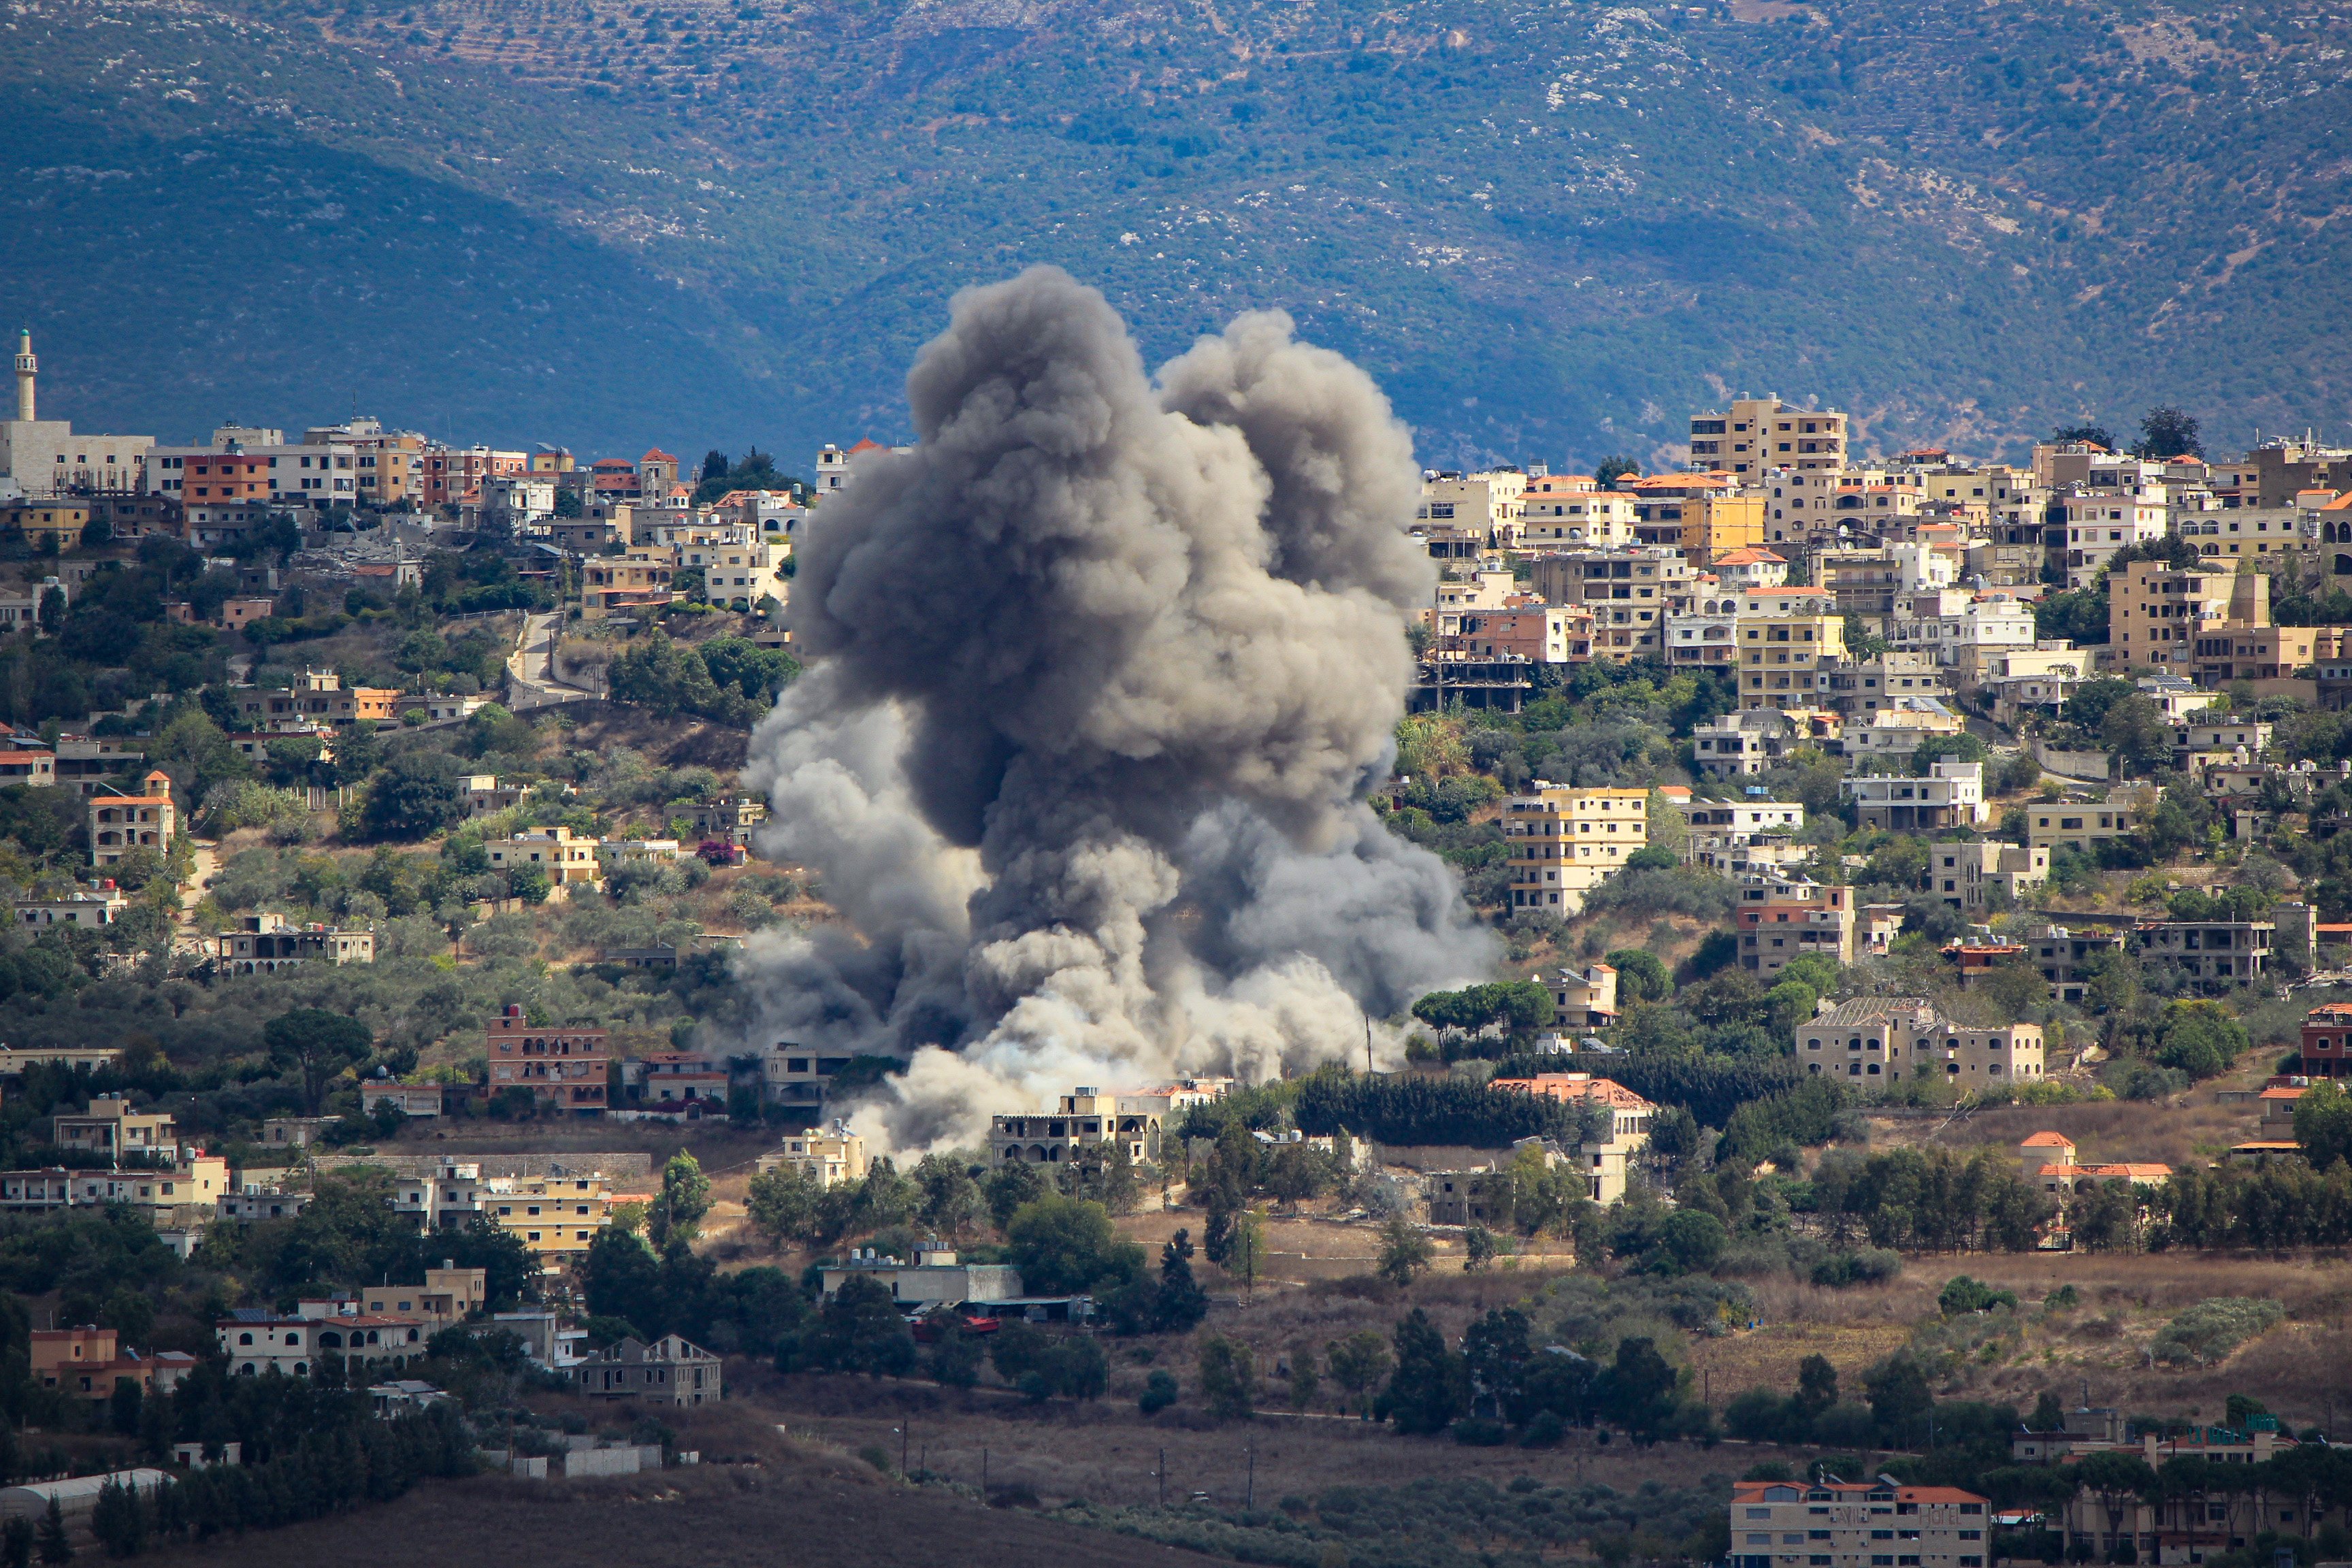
244 1338
2344 566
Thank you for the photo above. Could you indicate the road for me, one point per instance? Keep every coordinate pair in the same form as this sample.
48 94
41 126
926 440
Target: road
530 667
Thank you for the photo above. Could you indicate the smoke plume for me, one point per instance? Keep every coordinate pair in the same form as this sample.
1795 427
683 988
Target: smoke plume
1097 676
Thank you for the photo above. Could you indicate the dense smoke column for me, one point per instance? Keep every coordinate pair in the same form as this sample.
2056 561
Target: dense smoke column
1097 675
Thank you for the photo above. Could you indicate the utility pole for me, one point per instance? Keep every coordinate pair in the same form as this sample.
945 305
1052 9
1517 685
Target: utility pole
903 1426
1162 1473
1249 1497
1368 1046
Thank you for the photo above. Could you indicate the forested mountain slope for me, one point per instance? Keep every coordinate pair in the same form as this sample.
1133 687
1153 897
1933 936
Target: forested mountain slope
1552 229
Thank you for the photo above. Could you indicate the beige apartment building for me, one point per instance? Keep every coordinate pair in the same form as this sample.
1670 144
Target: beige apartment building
1759 433
1566 842
1567 510
1487 504
568 861
1782 657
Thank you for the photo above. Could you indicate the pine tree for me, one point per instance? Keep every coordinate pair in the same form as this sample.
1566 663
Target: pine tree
16 1543
53 1545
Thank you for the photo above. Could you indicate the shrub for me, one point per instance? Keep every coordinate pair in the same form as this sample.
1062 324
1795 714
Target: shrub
2207 1332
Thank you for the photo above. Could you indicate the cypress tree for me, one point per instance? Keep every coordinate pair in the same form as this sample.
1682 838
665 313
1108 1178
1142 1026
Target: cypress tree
54 1546
16 1543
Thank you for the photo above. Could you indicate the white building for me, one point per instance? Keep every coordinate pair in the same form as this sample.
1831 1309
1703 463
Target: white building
2098 524
316 475
827 1158
1951 796
90 910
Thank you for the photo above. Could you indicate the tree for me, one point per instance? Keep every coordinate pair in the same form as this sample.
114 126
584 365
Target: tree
860 1330
1641 975
1064 1245
1900 1399
2322 1124
16 1543
2201 1039
1158 1394
54 1545
317 1044
1358 1363
1640 1394
416 794
1817 1387
119 1519
1477 1248
1691 1241
2166 431
781 1204
1430 1389
1010 1186
685 1197
1228 1375
1303 1377
1182 1304
2096 435
2133 730
1404 1251
1616 465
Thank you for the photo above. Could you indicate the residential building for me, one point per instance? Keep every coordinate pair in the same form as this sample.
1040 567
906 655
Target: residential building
90 911
1739 821
2326 1045
1609 1144
1630 591
565 1069
1980 874
567 861
1083 1119
1785 659
555 1217
265 943
2070 959
936 1277
828 1157
318 695
34 766
1759 433
1583 1001
89 1360
15 1059
2047 1160
2099 523
1558 510
798 1077
2214 955
110 1127
448 1198
1795 920
1566 842
1880 1037
2158 615
731 819
478 795
414 1099
162 1194
670 1370
449 1295
634 582
1540 634
1704 639
1857 688
319 474
121 822
2080 826
675 1083
1832 1524
1487 504
1753 567
2206 741
1951 795
1889 736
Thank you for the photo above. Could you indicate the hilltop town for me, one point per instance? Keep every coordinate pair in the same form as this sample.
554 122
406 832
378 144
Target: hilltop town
1890 858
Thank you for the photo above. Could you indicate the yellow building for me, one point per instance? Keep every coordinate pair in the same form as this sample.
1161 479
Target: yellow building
47 522
1781 659
2158 614
1716 525
1566 842
555 1217
568 861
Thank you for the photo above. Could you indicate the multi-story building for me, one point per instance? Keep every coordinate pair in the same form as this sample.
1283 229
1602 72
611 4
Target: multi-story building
1951 795
555 1217
196 1181
46 457
731 819
320 696
834 1155
2100 523
2214 955
1705 639
565 1069
2159 614
1881 1036
449 1295
2080 826
265 943
1760 433
1738 822
1566 842
628 584
447 1198
1971 875
1606 1154
1569 510
1753 740
1483 504
1785 659
1857 688
1889 736
229 472
1832 1524
112 1129
1083 1119
1582 1000
1796 919
1753 567
1630 592
2327 1041
121 822
1540 634
568 861
87 1360
670 1370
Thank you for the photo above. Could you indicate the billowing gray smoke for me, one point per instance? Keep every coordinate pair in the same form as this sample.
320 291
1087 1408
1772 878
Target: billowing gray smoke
1098 674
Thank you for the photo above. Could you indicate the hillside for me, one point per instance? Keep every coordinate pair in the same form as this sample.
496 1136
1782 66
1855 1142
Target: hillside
1553 231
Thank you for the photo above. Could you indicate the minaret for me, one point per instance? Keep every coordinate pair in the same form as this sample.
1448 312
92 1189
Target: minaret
27 366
